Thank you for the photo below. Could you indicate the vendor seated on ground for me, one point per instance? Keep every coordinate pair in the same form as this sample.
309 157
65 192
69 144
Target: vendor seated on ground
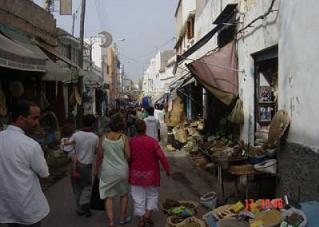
49 122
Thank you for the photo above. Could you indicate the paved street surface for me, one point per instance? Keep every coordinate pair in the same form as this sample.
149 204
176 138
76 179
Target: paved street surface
186 183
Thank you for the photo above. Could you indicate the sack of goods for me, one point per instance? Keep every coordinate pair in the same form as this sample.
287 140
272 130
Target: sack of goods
268 166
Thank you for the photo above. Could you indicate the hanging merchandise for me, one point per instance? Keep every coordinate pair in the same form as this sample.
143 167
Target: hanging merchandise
78 98
146 102
180 134
3 108
87 96
278 126
176 115
75 97
16 88
44 103
170 104
72 98
237 114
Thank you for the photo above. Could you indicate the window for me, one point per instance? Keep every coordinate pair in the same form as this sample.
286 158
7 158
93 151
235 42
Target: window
190 27
227 33
266 90
227 19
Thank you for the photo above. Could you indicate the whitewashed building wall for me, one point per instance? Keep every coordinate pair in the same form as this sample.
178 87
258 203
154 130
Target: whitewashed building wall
263 34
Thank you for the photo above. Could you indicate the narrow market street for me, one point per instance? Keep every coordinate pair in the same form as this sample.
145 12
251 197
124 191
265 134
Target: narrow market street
187 182
203 111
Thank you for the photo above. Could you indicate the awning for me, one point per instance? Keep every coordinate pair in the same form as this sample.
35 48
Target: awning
92 79
17 55
179 81
159 98
188 82
56 72
54 52
218 73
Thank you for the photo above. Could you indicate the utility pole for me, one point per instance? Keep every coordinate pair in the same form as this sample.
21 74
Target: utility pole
83 4
80 80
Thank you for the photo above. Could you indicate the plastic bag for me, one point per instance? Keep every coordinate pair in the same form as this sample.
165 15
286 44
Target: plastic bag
237 114
96 202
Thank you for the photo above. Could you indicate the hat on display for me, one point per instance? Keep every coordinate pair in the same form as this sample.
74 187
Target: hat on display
16 88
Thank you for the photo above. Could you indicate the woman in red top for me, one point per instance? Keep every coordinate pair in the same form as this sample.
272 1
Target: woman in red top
144 174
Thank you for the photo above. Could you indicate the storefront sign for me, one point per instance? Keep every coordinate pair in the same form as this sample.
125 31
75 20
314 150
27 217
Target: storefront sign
65 7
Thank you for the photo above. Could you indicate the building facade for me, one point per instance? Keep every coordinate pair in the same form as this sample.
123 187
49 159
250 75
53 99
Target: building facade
275 71
156 75
113 75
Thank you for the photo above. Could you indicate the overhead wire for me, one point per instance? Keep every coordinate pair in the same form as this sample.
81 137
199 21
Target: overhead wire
270 10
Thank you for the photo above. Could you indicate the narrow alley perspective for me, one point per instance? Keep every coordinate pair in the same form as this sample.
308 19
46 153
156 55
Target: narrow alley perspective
186 183
164 113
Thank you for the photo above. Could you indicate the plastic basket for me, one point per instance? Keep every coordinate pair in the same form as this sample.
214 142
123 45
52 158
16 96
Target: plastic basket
209 200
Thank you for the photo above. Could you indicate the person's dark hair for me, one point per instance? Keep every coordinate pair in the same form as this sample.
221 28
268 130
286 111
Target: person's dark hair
68 128
140 126
117 123
150 111
88 120
21 108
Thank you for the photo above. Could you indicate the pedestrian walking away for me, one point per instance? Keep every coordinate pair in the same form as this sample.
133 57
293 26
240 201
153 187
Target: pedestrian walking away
112 167
144 174
22 162
85 147
153 125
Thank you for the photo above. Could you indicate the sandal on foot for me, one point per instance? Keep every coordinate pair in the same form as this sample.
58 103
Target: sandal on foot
127 220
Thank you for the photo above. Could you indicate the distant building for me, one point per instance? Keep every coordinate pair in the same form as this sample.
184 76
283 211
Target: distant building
156 74
113 75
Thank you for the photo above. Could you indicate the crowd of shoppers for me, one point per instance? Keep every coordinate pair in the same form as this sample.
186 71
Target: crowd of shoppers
126 159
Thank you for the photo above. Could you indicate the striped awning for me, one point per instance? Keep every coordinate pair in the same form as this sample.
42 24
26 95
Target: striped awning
18 55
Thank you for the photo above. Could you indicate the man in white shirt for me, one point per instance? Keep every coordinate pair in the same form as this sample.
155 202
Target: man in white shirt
22 202
153 125
85 145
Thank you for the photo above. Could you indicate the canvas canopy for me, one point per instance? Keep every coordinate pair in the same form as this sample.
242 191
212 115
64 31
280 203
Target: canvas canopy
218 73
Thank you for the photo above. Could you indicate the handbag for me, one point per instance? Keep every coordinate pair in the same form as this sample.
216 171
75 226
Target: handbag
96 202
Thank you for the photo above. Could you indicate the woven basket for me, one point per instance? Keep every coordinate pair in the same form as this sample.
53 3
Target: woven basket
192 221
223 212
269 218
170 223
242 169
193 205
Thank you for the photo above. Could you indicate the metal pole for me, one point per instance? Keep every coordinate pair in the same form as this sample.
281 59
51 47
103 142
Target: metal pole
80 79
82 32
73 23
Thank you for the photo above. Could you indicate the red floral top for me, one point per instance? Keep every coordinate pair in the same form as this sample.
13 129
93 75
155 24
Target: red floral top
146 154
